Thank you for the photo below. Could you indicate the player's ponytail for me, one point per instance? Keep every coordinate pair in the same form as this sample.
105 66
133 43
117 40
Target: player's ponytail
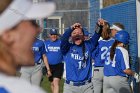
83 50
113 48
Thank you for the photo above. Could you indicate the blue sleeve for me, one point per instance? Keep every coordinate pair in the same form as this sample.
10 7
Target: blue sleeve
95 52
65 45
94 40
43 48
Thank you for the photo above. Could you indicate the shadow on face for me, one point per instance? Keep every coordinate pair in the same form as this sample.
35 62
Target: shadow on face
17 46
113 32
77 31
23 37
53 37
77 36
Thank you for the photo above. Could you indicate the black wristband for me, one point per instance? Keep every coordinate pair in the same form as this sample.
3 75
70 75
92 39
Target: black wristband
98 28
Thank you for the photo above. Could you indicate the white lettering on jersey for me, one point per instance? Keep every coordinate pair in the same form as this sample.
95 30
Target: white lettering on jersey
104 50
35 48
78 57
54 49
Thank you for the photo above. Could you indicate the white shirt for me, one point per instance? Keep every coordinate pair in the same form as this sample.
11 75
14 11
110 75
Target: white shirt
11 84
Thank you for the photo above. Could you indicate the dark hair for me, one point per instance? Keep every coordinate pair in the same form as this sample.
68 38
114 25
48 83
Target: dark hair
119 25
106 31
113 48
34 23
83 48
4 4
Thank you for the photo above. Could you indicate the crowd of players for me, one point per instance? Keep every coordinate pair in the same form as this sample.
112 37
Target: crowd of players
95 64
105 52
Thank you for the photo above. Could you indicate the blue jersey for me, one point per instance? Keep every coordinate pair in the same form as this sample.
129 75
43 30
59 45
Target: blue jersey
100 52
39 50
53 52
119 64
78 70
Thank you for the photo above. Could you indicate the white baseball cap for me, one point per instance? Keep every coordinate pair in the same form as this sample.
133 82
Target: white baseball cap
115 27
20 10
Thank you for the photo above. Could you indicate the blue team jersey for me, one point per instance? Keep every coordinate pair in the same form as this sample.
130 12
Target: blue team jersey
119 63
100 52
78 70
53 52
39 50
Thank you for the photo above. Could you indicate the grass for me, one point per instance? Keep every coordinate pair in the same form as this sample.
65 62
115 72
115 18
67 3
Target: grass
45 84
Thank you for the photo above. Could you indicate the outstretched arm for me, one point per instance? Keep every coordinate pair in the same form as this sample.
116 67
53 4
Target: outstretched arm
97 34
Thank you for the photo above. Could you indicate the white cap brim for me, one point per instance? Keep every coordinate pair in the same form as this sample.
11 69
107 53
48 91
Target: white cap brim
24 10
115 27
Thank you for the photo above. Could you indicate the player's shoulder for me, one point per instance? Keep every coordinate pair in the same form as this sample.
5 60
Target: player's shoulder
58 40
109 40
106 42
121 50
17 85
47 41
39 40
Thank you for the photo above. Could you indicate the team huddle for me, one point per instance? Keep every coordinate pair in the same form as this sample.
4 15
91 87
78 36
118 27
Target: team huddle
96 64
105 52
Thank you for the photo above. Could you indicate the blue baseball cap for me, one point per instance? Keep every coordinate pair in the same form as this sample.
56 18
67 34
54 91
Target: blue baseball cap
122 36
53 32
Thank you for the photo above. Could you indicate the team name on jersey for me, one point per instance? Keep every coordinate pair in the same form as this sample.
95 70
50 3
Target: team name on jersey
35 48
78 57
54 49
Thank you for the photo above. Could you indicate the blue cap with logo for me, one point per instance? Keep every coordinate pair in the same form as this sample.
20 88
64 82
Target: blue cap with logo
53 32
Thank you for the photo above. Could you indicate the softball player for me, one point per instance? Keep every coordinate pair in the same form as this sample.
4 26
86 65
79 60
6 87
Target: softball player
55 58
33 74
77 56
99 55
116 68
115 28
17 34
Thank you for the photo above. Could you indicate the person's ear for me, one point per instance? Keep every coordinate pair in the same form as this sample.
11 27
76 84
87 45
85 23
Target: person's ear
8 37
